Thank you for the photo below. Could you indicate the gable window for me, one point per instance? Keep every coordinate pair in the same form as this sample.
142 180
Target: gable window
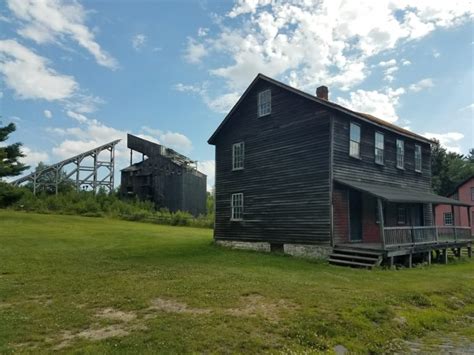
448 218
401 215
238 156
237 206
264 103
379 147
400 154
354 144
418 158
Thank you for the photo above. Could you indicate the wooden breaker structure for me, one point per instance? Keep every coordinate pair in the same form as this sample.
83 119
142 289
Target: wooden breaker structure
77 162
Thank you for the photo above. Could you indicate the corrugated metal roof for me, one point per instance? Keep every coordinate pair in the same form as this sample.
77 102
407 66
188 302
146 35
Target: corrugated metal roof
400 194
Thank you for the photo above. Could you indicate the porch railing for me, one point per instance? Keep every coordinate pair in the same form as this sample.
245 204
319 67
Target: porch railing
426 234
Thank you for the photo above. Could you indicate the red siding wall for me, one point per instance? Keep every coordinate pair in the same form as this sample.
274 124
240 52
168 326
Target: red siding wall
341 215
460 213
370 229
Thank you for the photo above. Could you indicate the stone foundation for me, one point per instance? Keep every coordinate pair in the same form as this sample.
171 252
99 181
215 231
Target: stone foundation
307 250
257 246
298 250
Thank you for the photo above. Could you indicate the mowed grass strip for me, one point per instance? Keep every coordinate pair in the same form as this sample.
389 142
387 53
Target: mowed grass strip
96 285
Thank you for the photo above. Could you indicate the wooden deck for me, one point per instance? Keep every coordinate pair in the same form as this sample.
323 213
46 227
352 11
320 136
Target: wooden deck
425 243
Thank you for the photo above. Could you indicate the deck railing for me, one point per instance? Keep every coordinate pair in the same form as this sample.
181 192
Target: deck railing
427 234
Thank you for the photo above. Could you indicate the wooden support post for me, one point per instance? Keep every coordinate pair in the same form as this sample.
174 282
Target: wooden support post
429 258
454 222
392 262
438 255
381 221
469 251
433 208
410 260
459 252
445 256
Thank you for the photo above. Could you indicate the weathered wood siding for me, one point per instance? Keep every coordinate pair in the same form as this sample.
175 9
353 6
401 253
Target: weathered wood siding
285 181
365 169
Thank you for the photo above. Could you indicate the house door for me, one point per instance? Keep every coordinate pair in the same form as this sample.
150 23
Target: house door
355 216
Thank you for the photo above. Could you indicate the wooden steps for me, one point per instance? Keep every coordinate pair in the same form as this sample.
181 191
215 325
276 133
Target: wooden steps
355 257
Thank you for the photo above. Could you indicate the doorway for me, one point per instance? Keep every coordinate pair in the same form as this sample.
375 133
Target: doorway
355 216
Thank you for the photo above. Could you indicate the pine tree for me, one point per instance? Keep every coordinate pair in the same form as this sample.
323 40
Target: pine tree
10 154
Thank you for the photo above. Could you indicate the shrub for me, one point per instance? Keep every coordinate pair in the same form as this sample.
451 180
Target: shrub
9 194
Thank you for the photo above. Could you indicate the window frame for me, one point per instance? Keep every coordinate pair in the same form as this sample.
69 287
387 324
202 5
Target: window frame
446 214
402 154
382 150
263 95
242 156
418 159
353 124
240 213
404 214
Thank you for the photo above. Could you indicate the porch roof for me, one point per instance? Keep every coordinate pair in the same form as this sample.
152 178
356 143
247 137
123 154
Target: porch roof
400 194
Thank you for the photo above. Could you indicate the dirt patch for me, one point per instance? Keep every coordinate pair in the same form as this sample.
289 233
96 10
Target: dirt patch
255 305
171 306
93 334
116 315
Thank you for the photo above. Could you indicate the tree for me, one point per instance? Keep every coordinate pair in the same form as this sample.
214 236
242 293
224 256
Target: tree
448 169
10 154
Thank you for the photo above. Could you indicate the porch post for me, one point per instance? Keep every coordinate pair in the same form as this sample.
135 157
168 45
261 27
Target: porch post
381 221
454 222
433 208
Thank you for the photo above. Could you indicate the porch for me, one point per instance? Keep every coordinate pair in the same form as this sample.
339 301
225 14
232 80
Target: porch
388 223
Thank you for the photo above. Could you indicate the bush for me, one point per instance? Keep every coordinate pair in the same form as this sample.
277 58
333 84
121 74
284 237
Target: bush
9 194
86 203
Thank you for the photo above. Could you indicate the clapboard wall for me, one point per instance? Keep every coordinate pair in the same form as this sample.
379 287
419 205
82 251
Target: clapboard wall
286 177
365 169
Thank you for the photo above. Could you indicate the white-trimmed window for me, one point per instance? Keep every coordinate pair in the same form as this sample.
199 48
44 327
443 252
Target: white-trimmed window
238 153
264 103
448 218
401 215
379 147
400 154
418 158
354 141
237 207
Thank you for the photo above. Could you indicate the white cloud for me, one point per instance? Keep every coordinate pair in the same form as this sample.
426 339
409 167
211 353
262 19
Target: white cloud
467 108
381 105
202 31
208 167
52 21
422 84
308 43
405 62
48 114
138 41
28 75
218 103
450 140
33 157
77 116
388 63
174 140
195 51
436 53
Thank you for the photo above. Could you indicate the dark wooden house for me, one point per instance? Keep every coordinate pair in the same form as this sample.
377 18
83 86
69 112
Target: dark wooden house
165 177
300 174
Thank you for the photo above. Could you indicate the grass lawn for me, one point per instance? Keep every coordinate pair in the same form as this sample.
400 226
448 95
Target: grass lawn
95 285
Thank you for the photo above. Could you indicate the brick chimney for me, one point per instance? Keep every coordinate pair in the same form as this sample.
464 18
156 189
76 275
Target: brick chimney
322 92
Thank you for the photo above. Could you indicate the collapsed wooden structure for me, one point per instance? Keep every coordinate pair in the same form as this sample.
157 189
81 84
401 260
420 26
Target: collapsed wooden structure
84 173
165 177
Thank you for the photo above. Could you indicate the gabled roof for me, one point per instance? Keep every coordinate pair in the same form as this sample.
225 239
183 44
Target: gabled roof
461 184
359 115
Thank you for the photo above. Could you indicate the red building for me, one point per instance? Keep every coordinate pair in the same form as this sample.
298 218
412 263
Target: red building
447 215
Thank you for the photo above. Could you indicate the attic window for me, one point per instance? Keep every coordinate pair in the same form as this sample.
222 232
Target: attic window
418 158
264 103
354 141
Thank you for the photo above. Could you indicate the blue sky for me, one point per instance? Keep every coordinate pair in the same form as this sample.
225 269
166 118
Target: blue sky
75 75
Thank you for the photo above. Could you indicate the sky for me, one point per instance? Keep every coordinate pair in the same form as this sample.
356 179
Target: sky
78 74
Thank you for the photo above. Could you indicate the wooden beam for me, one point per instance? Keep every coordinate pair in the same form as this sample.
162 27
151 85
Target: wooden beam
410 260
429 257
381 221
445 256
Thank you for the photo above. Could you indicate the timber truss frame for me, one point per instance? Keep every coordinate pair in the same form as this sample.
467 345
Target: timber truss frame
90 180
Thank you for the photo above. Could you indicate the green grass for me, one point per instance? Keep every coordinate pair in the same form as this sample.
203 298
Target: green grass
59 274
